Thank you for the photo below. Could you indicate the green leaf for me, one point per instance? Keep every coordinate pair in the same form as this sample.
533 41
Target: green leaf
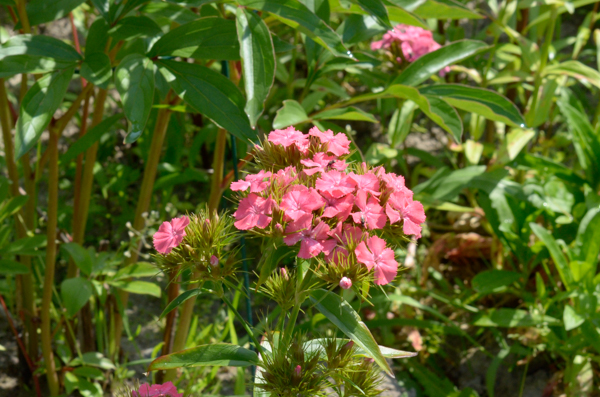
136 270
318 344
25 246
11 206
93 359
75 293
575 69
216 354
27 53
509 318
166 13
38 107
357 28
271 257
211 94
91 137
137 287
96 69
97 37
559 259
89 372
134 79
400 15
348 113
80 256
190 293
587 241
291 113
204 38
42 11
340 313
494 280
421 69
376 9
133 27
10 267
513 143
478 100
298 16
571 319
258 61
438 9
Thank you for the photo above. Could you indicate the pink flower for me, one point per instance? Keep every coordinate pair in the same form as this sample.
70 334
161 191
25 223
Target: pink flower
371 214
165 390
367 182
379 257
337 144
335 184
170 234
393 182
286 176
256 182
314 240
346 241
400 205
253 211
301 200
288 137
345 283
338 207
322 163
214 261
240 186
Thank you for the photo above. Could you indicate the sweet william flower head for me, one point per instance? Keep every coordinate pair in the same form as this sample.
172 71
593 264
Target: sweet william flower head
374 254
165 390
170 234
253 211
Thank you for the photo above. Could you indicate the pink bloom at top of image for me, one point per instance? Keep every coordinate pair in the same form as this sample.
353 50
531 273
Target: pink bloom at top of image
335 184
256 182
338 207
300 200
371 214
401 205
288 137
322 162
367 182
165 390
253 211
337 144
393 182
314 240
374 254
170 234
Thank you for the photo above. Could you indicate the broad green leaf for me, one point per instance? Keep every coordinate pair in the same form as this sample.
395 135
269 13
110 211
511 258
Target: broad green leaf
94 359
102 6
445 184
587 241
217 354
558 197
91 137
575 69
401 123
421 69
89 372
75 293
291 113
400 15
485 102
80 256
10 267
340 313
25 246
191 293
298 16
140 269
12 205
438 9
473 151
211 94
258 61
96 69
204 38
571 319
513 143
121 8
35 54
376 9
379 152
97 37
38 107
318 344
493 280
134 79
349 113
508 318
357 28
133 27
42 11
165 13
137 287
555 252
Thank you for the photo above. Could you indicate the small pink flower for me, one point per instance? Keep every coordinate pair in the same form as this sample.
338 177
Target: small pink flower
379 257
301 200
335 184
345 283
321 162
240 185
346 240
286 176
165 390
338 207
214 261
298 371
400 205
337 144
393 182
371 214
253 211
170 234
367 182
284 273
288 137
256 182
314 240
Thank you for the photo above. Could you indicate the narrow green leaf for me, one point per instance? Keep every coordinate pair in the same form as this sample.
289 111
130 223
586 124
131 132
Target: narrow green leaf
508 318
258 61
271 257
340 313
137 287
42 11
348 113
319 343
298 16
10 267
575 69
121 8
134 79
493 280
421 69
75 292
555 252
217 354
11 206
204 38
401 15
92 136
80 256
25 246
587 241
133 27
211 94
96 69
191 293
485 102
93 359
376 9
438 9
291 113
139 269
38 107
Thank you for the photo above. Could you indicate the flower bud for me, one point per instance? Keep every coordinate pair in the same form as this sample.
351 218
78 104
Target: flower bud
284 273
298 371
279 229
214 261
345 283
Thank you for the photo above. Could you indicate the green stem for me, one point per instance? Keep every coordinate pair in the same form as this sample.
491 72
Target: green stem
50 263
259 348
292 72
218 166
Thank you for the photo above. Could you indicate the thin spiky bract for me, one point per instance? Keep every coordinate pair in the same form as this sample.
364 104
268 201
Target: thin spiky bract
281 287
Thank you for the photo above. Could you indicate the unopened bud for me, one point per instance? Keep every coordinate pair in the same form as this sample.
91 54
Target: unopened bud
346 348
214 261
345 283
369 360
284 273
279 228
298 371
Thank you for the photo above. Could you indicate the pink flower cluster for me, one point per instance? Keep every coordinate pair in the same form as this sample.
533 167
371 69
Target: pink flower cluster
326 207
170 234
165 390
412 40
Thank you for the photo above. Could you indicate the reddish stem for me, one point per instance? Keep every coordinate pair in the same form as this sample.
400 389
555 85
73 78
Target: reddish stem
76 40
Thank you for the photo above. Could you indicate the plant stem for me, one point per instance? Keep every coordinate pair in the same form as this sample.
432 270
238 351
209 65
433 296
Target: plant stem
168 337
259 348
50 263
216 190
